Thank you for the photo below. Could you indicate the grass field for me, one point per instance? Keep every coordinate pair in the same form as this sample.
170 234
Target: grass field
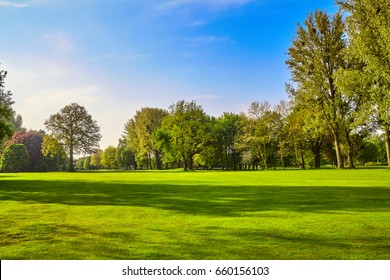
312 214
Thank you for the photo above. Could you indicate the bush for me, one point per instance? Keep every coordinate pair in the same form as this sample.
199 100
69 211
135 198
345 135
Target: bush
15 158
370 164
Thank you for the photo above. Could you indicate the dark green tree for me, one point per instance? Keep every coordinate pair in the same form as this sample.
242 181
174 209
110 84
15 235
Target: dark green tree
15 158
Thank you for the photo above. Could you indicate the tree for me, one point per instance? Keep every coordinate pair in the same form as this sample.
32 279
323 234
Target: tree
74 128
183 132
228 129
139 132
15 158
86 163
109 160
6 112
53 152
125 156
314 57
369 43
96 159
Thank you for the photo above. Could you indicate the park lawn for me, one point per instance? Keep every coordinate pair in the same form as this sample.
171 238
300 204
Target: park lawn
292 214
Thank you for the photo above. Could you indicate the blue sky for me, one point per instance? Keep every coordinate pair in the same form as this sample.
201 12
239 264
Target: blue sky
115 57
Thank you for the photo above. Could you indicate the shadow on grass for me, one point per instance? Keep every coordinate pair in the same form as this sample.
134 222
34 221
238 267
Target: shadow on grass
200 199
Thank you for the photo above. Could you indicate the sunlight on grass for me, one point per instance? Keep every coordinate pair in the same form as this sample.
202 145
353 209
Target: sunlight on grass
313 214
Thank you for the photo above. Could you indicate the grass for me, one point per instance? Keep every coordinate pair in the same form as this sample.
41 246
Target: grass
313 214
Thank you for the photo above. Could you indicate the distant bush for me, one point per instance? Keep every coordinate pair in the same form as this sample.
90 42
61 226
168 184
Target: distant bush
368 164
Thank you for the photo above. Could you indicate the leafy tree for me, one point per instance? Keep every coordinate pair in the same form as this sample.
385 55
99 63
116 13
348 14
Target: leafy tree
53 152
314 57
109 160
124 156
183 132
6 111
228 129
15 158
369 43
74 128
86 163
96 159
139 132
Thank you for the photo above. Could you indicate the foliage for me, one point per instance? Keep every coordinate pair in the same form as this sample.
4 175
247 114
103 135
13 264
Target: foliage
109 160
6 111
33 141
314 57
124 156
15 158
74 128
54 153
369 38
96 159
183 132
139 134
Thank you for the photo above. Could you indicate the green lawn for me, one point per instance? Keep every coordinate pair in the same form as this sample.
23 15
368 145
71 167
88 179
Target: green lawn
312 214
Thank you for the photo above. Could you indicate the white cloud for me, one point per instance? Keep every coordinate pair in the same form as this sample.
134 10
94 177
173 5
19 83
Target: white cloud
13 4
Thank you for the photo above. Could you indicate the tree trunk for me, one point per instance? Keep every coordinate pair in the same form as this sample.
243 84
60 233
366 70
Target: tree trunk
351 164
71 166
316 150
339 155
185 164
387 143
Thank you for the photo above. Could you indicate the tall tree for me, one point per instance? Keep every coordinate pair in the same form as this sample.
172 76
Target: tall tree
369 42
74 128
314 58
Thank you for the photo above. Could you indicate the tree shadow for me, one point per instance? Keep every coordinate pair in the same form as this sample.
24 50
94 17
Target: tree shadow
209 200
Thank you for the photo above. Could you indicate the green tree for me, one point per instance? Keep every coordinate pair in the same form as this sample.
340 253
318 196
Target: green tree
369 43
139 132
74 128
313 59
183 132
124 156
228 129
109 159
15 158
6 112
96 159
53 152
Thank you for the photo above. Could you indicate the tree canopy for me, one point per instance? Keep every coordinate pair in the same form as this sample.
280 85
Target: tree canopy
74 128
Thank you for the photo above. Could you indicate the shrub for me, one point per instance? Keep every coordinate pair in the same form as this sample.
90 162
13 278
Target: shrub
15 158
368 164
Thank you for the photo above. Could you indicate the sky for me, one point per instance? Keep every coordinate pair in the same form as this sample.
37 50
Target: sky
116 57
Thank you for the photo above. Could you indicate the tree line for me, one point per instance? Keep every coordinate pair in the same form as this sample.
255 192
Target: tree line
338 112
